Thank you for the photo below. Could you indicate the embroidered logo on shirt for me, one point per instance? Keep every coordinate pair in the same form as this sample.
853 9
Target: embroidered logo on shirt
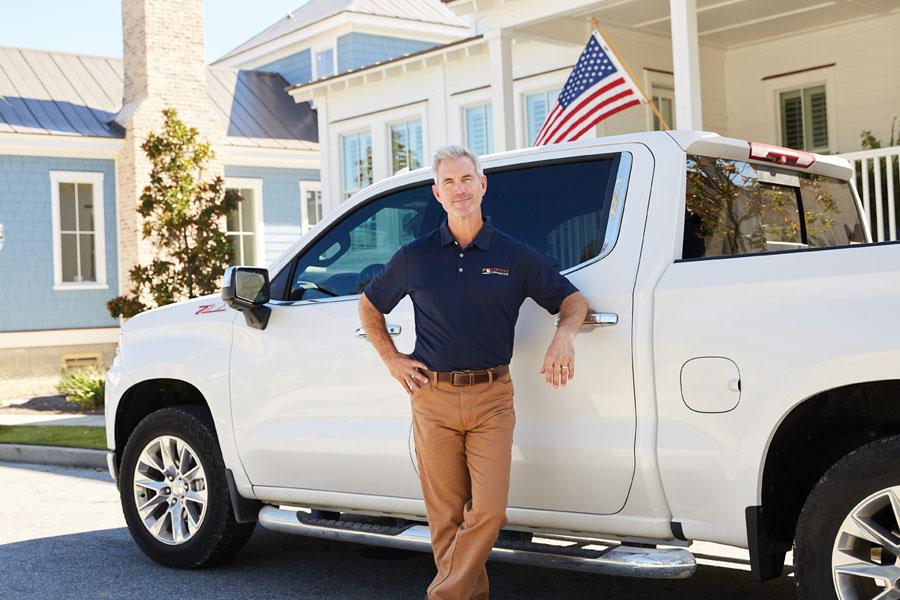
494 271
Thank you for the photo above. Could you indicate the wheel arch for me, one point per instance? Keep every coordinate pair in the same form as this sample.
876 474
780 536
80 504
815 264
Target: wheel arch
148 396
812 437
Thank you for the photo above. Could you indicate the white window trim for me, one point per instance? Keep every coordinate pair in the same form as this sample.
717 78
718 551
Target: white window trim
255 184
457 110
96 181
775 87
308 186
413 116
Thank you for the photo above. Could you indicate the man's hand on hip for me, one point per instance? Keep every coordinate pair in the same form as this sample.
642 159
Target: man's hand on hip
406 370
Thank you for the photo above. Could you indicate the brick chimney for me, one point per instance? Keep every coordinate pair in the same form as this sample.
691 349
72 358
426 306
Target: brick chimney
163 67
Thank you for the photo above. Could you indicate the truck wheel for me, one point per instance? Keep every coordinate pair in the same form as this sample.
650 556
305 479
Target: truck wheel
847 543
174 493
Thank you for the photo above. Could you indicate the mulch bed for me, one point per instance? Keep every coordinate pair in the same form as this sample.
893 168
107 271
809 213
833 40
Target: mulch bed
56 404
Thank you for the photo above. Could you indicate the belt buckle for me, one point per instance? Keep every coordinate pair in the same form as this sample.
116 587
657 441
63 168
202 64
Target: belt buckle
469 374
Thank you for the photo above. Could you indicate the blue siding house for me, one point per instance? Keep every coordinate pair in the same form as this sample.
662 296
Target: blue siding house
63 120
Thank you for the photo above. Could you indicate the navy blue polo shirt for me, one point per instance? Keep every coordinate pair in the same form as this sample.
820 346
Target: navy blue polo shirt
467 300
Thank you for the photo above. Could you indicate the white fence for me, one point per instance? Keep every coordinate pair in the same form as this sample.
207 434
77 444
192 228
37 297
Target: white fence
877 177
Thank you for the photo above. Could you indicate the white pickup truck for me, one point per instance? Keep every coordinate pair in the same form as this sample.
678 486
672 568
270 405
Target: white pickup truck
738 375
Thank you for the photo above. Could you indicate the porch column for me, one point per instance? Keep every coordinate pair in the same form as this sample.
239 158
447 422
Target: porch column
327 179
500 58
686 60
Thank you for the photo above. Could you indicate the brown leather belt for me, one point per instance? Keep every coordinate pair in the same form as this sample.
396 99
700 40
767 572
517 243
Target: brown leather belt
463 378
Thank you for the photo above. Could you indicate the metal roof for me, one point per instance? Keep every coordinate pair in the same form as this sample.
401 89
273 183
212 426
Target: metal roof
428 11
62 94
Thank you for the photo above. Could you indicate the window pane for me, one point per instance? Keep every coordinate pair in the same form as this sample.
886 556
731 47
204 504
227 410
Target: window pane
249 249
313 207
325 63
525 204
729 211
234 219
88 259
831 215
357 161
537 106
67 207
85 207
479 134
792 120
416 152
399 147
69 255
352 253
248 211
238 250
817 117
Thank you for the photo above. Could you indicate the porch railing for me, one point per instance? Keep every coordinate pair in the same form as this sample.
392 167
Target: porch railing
877 177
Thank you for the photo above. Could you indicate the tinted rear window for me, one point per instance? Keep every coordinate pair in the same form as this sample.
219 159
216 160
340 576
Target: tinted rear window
735 207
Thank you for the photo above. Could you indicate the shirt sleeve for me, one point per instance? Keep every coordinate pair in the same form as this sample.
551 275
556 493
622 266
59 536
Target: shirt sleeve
544 283
389 287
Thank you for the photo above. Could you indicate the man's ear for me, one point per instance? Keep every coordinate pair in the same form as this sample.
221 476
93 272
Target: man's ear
484 184
434 190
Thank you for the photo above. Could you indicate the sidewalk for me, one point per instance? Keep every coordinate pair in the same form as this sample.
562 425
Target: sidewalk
49 410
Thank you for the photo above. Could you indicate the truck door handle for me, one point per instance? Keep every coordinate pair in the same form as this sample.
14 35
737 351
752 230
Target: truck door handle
393 331
598 319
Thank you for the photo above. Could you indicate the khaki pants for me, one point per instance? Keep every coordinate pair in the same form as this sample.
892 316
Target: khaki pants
463 438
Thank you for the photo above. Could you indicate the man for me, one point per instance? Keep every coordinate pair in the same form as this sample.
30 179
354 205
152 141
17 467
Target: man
467 281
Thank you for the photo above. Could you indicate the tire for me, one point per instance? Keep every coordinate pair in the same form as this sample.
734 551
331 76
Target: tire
187 533
851 520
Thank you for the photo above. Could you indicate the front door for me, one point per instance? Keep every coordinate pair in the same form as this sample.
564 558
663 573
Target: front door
314 406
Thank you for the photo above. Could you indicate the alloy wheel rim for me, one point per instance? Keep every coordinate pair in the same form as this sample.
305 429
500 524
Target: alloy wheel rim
865 558
170 492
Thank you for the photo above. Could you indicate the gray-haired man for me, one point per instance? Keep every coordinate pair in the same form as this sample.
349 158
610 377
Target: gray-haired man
467 281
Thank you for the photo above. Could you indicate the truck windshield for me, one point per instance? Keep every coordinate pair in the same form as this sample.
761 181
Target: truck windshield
735 207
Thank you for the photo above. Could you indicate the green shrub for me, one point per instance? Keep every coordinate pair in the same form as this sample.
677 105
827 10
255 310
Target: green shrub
83 387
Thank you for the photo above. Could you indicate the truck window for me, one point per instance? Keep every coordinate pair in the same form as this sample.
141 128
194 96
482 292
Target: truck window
733 208
564 210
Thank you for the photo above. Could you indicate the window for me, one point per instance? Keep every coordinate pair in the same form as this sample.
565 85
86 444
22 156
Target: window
325 63
664 99
344 261
406 145
79 255
537 106
804 119
310 204
734 207
479 129
357 157
244 224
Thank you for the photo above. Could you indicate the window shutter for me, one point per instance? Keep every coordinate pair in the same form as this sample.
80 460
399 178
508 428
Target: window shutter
817 117
792 120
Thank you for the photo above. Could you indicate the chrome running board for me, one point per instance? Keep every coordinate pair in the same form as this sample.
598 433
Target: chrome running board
574 554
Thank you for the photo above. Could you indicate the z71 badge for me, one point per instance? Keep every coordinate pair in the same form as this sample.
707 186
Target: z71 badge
210 308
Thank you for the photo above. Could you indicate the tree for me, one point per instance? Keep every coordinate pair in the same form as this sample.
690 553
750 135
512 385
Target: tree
182 214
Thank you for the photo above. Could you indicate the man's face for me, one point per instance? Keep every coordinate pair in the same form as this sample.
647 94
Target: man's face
459 188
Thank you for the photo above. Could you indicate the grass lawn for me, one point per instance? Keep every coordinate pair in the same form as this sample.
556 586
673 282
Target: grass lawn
72 436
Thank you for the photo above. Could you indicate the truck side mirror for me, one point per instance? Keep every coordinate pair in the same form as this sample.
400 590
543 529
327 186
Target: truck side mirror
247 289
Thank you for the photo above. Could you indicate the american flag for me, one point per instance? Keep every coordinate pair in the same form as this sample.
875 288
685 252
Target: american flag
598 87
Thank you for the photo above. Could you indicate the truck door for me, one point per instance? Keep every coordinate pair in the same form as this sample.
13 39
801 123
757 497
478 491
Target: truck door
573 447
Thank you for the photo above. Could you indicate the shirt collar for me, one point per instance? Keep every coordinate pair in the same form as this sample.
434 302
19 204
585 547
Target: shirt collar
482 240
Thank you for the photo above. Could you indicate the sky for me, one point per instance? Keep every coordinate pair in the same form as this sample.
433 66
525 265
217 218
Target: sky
95 26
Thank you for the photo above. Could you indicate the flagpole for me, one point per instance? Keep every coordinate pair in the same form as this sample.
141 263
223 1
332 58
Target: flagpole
627 70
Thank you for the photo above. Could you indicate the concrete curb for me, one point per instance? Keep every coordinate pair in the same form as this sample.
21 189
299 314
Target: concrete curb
54 455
